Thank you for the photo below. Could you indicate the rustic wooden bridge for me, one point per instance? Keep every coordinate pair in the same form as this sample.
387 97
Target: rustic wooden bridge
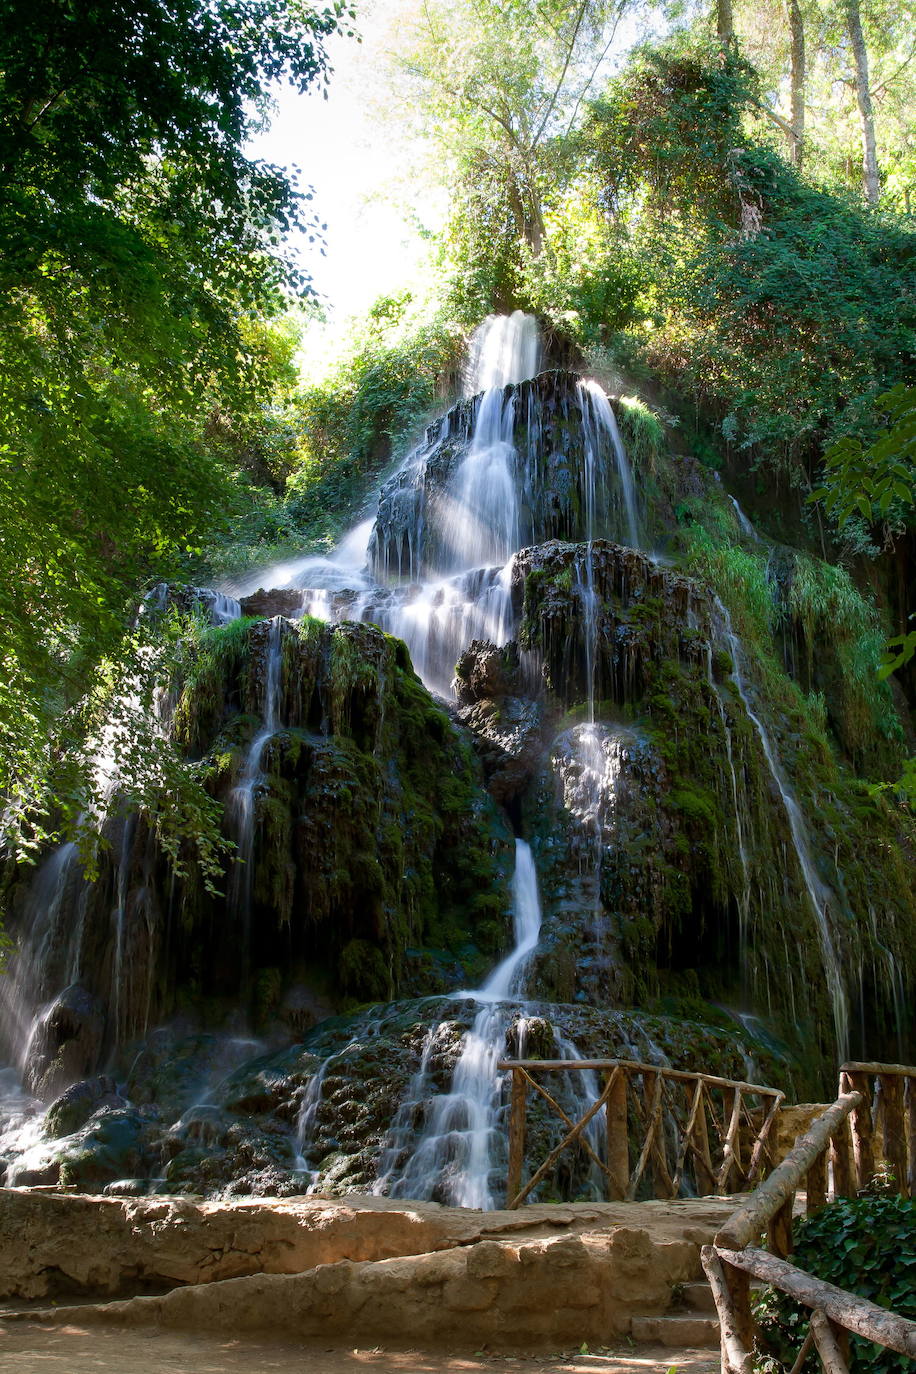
713 1134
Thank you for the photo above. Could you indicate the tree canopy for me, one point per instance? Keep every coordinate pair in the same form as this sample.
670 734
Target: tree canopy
141 253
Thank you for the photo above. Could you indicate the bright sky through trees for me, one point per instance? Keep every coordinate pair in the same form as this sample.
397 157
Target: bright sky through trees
351 158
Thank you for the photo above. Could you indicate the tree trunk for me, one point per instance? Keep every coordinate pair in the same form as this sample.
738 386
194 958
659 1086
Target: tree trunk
797 120
863 95
725 23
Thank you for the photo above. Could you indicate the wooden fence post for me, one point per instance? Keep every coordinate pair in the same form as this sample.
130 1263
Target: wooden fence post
735 1320
894 1129
618 1149
706 1179
731 1154
779 1231
517 1110
911 1132
816 1185
862 1139
843 1163
830 1344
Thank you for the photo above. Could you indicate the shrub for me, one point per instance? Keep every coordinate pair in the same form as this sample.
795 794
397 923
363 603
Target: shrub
865 1245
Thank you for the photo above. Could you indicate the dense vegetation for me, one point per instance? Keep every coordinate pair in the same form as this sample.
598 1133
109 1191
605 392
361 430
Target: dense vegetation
142 260
864 1245
676 220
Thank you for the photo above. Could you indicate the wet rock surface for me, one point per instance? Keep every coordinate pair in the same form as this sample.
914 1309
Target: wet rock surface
263 1032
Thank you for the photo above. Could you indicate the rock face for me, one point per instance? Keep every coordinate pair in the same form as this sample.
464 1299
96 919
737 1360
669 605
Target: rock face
371 837
705 864
549 432
67 1042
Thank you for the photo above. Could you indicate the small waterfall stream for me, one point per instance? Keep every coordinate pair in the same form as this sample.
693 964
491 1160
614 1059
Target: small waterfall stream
242 796
454 1157
819 896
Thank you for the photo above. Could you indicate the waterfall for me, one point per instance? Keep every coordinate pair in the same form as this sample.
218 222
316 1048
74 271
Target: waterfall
435 566
744 901
453 1160
342 570
601 429
744 524
819 896
242 796
503 349
524 457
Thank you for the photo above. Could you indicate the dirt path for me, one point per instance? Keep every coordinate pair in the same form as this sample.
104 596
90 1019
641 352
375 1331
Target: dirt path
27 1348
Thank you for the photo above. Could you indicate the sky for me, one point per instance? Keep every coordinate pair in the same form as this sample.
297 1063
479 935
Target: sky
351 160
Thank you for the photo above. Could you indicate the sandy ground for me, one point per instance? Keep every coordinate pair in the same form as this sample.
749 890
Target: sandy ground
27 1348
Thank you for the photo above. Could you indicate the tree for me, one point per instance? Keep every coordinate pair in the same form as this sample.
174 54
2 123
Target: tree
782 307
500 89
797 118
138 248
863 97
876 482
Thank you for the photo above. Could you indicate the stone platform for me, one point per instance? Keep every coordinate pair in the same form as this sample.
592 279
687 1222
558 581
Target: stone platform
356 1270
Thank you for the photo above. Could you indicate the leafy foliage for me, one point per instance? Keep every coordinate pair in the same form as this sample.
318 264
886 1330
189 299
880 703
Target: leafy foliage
878 482
780 306
373 401
138 246
877 479
864 1245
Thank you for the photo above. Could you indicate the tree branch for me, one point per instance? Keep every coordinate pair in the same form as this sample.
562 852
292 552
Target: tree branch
551 104
586 88
883 85
776 118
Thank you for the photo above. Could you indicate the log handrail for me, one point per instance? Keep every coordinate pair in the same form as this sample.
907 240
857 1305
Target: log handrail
880 1070
780 1187
732 1259
847 1310
634 1065
658 1101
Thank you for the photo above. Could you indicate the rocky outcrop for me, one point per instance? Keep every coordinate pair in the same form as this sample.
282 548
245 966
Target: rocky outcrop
549 426
67 1041
372 838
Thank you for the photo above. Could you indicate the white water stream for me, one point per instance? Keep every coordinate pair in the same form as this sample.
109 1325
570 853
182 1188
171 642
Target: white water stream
819 895
242 796
453 1160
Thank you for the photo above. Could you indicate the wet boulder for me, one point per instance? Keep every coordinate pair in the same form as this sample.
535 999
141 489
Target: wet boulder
67 1042
486 671
78 1103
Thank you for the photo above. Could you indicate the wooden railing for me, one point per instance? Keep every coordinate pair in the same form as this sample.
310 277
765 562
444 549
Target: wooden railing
844 1133
889 1106
692 1126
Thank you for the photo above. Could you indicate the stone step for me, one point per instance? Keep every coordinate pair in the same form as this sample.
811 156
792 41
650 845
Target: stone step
686 1331
697 1296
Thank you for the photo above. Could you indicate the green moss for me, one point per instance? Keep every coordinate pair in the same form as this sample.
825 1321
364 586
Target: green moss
694 803
642 433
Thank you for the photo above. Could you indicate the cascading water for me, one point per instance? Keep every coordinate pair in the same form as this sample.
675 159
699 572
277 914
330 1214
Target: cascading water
524 459
601 432
48 961
442 545
503 349
454 1158
242 796
744 524
819 896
